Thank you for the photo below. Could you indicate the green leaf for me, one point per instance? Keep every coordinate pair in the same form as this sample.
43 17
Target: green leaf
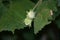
41 20
13 13
43 14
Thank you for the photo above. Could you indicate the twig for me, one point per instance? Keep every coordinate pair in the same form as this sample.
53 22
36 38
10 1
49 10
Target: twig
38 3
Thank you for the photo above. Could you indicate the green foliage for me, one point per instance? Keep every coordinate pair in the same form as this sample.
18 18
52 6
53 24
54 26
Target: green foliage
13 14
43 14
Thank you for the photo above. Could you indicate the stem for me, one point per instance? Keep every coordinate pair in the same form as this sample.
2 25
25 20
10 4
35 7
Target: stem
38 3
